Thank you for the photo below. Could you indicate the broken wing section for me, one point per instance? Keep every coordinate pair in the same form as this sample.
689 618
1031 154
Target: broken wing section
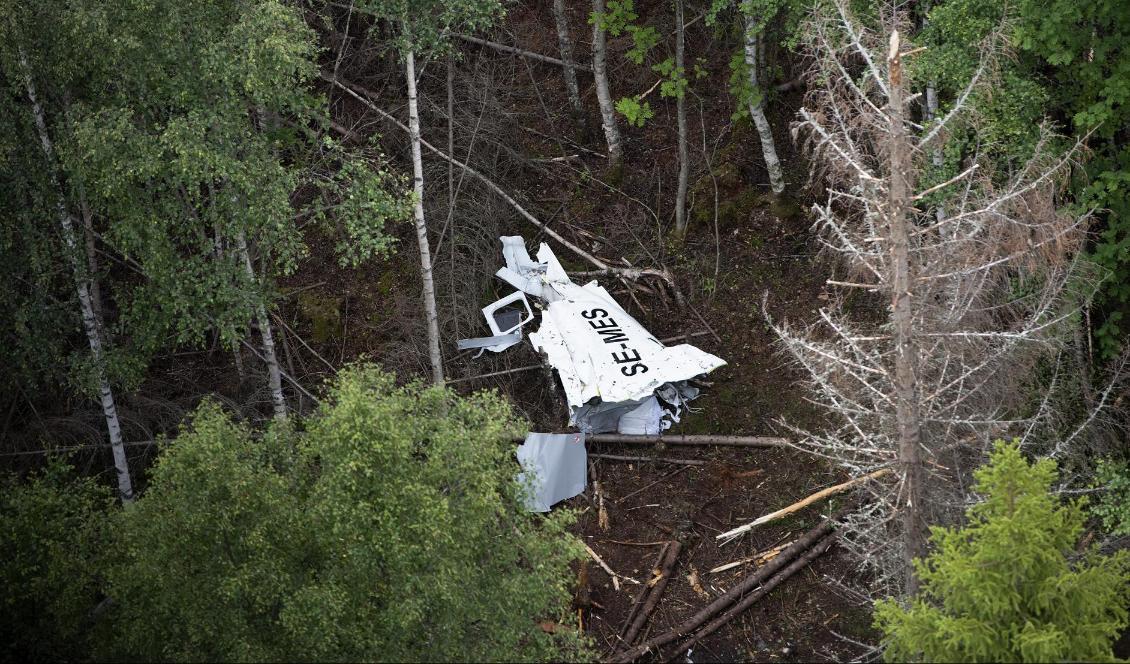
617 376
611 367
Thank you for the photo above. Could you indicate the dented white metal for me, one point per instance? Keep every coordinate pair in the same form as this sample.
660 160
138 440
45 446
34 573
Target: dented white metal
617 376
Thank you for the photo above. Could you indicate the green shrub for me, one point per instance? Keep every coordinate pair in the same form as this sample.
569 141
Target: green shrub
391 529
1007 587
1113 506
50 528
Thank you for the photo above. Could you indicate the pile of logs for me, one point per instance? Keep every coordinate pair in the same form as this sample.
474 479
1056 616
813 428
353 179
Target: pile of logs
727 606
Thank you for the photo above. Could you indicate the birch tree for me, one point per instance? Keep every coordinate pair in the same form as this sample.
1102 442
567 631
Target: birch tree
975 301
82 286
746 67
426 272
422 30
603 92
752 31
565 44
681 114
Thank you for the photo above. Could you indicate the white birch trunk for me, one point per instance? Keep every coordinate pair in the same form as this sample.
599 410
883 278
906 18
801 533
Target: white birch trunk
274 376
565 42
681 113
757 110
603 95
89 320
421 226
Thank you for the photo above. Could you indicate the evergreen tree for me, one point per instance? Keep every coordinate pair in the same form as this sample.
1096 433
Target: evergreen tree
1009 586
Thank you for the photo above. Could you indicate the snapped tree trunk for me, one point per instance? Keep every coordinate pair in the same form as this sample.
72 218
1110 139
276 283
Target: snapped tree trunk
274 376
421 227
681 112
902 318
757 108
603 95
565 42
82 286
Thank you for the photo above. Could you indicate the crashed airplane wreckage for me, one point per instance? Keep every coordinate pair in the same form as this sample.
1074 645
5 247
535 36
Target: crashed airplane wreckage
617 376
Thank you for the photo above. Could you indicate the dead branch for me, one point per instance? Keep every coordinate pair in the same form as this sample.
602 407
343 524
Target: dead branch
801 504
604 566
679 439
760 558
637 459
733 595
518 51
492 374
655 587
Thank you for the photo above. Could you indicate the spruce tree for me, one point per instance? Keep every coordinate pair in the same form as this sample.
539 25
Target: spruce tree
1010 586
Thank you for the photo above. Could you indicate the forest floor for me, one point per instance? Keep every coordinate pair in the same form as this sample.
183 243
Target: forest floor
743 247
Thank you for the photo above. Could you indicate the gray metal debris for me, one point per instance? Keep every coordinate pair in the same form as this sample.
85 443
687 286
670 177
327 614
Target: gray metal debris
554 468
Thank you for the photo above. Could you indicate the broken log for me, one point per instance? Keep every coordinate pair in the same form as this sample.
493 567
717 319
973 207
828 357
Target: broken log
801 504
665 569
763 557
749 600
619 457
637 602
518 51
732 441
732 596
608 570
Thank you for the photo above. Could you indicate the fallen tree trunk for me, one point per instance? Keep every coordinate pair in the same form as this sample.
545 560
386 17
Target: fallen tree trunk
666 568
624 274
637 459
637 602
732 441
732 596
517 51
801 504
752 598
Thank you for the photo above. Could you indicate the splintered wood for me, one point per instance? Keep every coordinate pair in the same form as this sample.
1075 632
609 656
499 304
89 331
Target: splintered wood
799 505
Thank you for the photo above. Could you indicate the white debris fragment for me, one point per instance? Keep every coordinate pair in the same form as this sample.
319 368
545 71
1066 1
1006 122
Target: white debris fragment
554 468
616 375
505 323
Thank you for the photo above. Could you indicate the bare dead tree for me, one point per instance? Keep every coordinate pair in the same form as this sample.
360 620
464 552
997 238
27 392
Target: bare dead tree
977 300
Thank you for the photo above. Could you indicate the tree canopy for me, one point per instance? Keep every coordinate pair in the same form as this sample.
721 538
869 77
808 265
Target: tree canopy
1007 586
